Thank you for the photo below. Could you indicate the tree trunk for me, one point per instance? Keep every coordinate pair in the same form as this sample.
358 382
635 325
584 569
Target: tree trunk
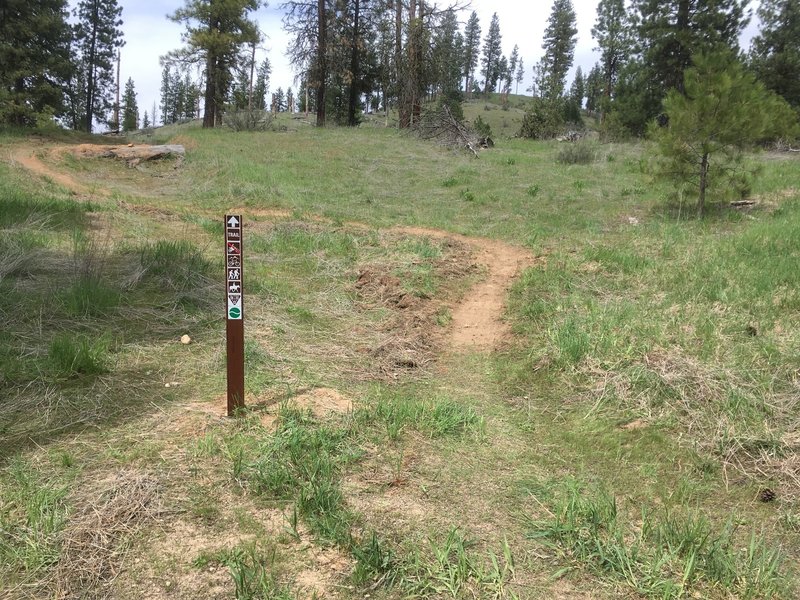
701 200
354 67
322 61
252 72
684 56
90 75
209 117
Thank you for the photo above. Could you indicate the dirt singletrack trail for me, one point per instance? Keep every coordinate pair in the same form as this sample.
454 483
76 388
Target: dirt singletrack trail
477 320
26 156
477 324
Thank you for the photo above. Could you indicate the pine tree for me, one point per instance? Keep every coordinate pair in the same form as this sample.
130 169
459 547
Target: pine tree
578 90
559 48
130 109
216 32
261 85
503 76
191 97
593 89
492 51
721 111
472 43
520 77
511 72
97 39
168 97
279 100
673 31
290 100
447 55
775 53
613 32
145 120
34 60
308 23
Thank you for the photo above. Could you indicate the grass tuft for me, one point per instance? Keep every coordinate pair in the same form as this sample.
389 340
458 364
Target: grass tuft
72 354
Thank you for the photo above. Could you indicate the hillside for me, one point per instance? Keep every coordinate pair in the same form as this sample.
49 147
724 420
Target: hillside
503 377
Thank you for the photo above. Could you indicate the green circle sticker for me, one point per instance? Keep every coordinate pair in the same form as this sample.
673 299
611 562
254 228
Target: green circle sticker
234 312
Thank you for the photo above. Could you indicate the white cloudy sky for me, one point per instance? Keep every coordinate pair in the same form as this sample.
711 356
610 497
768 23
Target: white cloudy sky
149 35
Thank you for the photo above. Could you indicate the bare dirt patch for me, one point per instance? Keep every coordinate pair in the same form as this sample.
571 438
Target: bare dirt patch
321 402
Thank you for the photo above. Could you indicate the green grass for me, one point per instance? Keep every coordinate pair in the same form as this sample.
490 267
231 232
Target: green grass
654 358
78 355
668 555
33 510
397 410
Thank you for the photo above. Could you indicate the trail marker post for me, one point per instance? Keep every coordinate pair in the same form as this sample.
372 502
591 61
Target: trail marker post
234 311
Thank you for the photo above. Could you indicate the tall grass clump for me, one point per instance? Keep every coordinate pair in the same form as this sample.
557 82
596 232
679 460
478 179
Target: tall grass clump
72 354
32 512
89 296
178 265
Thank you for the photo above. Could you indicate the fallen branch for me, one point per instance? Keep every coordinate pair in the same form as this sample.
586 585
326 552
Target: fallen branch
442 126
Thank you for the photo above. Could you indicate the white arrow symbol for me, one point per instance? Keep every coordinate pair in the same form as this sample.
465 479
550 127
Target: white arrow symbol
233 222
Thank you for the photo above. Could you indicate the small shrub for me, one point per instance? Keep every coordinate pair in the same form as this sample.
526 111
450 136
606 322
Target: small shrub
533 191
450 182
580 153
482 128
73 355
546 119
612 129
249 120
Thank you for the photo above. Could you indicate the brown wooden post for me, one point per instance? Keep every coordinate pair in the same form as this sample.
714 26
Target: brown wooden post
234 311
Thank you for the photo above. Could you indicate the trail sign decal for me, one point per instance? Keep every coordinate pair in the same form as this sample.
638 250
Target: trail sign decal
234 311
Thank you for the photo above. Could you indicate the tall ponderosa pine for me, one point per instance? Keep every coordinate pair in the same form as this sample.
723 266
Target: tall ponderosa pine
593 89
511 72
448 46
472 44
577 92
34 60
775 54
721 111
492 51
130 109
559 48
97 40
614 35
216 33
261 85
673 31
308 23
669 34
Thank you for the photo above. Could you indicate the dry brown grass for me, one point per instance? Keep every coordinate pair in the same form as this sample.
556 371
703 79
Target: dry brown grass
94 542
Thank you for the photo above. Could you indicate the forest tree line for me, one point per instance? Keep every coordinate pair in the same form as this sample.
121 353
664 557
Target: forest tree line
397 55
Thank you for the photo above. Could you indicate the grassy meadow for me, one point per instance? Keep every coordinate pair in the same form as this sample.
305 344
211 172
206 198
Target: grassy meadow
637 437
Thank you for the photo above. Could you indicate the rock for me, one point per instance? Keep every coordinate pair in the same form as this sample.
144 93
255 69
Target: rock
185 340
